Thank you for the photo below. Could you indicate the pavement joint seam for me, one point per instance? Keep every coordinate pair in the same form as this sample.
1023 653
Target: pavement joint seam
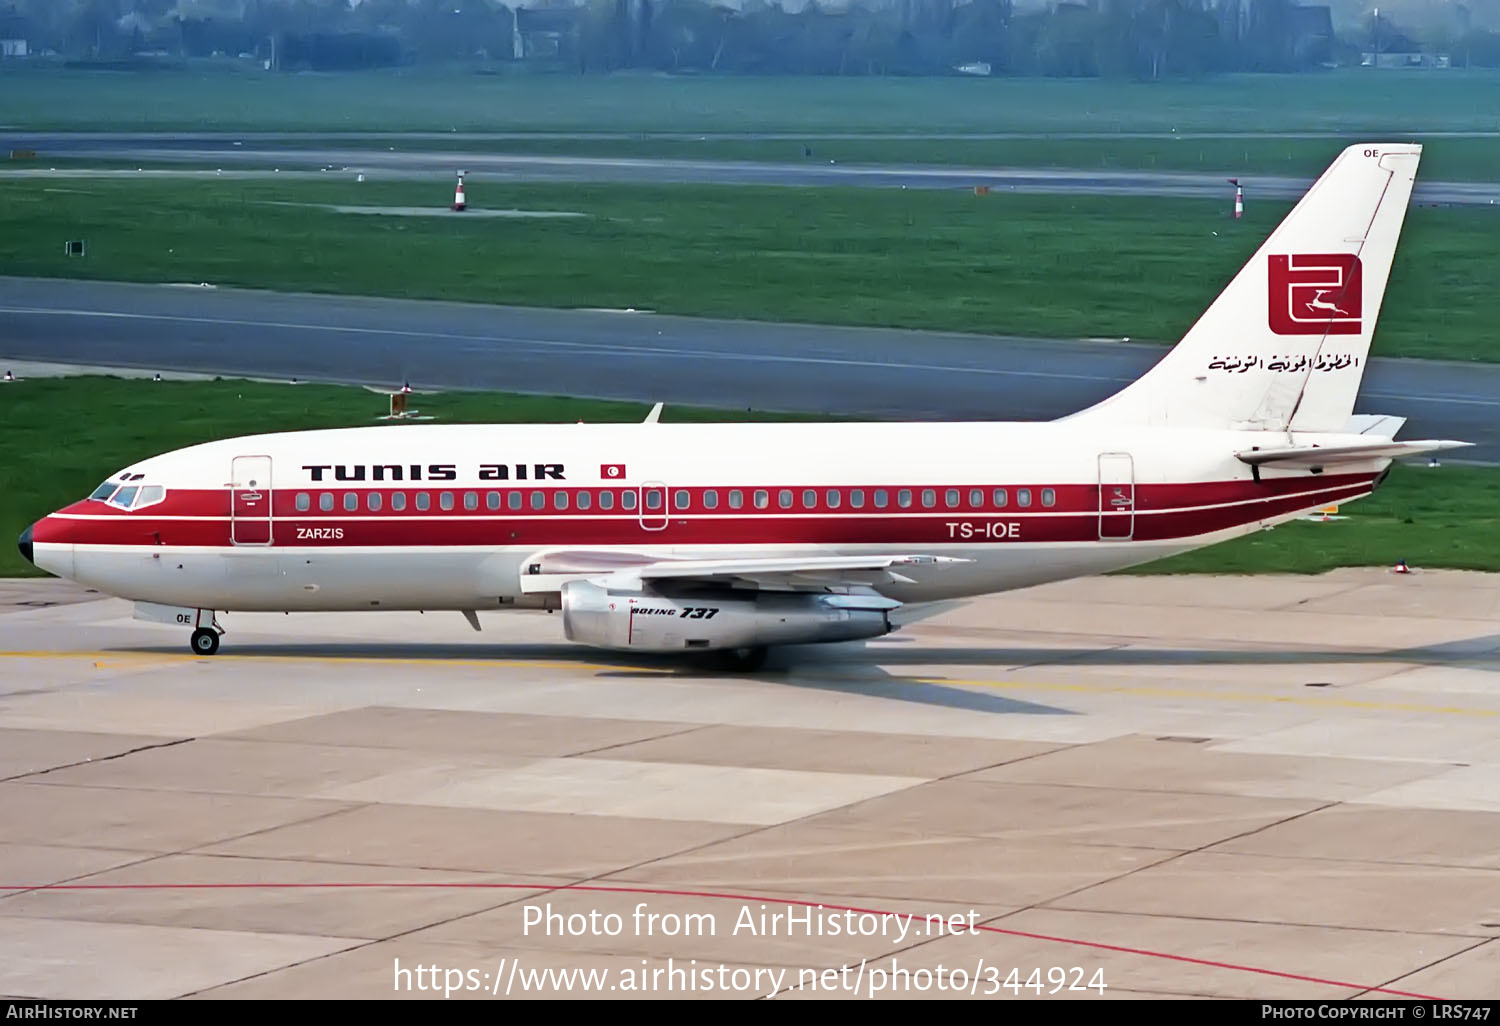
637 741
1049 903
90 762
148 857
1435 962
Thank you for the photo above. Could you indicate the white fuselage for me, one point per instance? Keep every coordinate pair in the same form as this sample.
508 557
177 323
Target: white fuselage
450 517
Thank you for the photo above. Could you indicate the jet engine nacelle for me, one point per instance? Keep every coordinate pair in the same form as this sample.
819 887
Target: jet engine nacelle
593 615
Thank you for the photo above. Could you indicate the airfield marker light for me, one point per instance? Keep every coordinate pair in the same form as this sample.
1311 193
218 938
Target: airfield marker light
1239 198
458 195
1400 567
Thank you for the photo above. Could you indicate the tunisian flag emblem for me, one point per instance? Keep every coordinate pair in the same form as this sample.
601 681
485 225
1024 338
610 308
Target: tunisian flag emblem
612 471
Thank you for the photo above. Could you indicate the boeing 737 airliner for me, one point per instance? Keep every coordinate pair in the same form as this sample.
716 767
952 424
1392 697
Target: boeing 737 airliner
679 538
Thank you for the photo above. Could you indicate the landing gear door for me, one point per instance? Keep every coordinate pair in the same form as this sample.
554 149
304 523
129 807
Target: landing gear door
250 500
1116 496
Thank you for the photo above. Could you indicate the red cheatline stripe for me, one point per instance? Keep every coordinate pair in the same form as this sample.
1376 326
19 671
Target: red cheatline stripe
479 884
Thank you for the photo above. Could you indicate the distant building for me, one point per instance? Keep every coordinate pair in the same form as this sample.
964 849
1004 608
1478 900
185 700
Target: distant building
1311 30
1408 59
13 36
544 32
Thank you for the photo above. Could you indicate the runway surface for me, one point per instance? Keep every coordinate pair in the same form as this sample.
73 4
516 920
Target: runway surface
875 373
1232 787
231 150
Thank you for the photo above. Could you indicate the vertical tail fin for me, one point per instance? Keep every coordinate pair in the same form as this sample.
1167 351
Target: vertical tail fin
1283 348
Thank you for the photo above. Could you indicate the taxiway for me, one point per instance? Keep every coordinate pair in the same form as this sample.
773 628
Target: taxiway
1235 787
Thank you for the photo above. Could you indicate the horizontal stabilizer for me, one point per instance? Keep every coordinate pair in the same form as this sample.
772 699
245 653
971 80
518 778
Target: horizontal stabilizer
1329 455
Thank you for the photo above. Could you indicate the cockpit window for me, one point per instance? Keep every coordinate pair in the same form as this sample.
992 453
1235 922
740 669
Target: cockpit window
129 496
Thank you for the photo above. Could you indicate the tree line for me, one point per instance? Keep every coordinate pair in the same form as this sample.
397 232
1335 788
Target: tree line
1144 39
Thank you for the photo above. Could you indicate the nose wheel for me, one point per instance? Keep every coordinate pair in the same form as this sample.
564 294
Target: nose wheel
205 641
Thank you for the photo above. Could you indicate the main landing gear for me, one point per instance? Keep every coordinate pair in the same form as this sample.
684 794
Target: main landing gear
743 660
205 640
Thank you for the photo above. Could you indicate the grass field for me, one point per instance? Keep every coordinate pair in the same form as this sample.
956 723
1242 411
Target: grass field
61 437
1063 267
232 96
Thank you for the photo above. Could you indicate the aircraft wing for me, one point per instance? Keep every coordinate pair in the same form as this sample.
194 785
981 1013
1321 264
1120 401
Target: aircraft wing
782 573
1332 455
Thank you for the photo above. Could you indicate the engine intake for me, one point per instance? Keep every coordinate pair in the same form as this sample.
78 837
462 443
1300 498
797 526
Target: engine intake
593 615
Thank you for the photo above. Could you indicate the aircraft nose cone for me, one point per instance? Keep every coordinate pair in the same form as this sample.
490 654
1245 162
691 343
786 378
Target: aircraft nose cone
25 545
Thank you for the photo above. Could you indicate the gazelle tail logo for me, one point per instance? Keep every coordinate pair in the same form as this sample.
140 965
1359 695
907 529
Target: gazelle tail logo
1314 293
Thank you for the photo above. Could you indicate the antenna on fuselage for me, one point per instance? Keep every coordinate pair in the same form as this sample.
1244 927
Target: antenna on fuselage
654 417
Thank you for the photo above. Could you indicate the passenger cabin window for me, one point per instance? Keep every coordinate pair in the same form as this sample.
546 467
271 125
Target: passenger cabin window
710 499
585 500
373 502
445 500
680 499
1000 497
832 497
627 500
492 500
784 498
606 500
653 499
471 500
304 502
976 497
929 497
1023 496
398 500
736 498
1049 497
423 502
351 502
762 498
951 497
809 499
857 498
538 500
325 502
881 498
560 500
512 500
903 498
